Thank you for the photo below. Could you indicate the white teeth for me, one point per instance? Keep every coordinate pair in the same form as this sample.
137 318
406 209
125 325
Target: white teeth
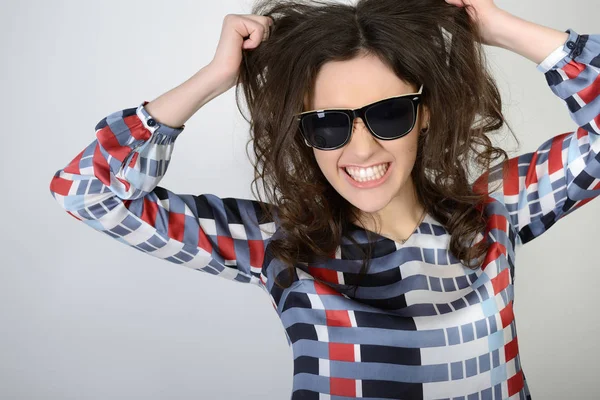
368 174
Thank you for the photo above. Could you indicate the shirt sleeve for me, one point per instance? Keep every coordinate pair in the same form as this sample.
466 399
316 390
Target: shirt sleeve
563 174
111 186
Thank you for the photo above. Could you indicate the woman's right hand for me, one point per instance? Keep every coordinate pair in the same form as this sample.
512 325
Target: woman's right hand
239 32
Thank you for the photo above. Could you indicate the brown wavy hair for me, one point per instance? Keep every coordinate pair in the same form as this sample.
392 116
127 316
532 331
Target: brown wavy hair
422 41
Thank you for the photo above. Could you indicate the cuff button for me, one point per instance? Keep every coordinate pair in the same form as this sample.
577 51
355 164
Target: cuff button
570 45
151 122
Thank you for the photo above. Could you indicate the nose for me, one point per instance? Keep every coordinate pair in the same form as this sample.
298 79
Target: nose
362 143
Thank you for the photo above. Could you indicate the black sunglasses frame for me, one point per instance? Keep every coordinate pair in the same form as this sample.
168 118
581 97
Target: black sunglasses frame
352 114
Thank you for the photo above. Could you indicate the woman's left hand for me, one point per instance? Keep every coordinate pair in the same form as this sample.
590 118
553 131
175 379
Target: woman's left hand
484 13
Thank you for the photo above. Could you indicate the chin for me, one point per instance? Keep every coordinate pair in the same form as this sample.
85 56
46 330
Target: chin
370 200
368 204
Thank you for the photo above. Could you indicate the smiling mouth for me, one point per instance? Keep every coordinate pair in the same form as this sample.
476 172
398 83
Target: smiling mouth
374 179
367 174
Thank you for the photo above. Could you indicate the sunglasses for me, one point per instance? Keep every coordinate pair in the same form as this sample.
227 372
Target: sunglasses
387 119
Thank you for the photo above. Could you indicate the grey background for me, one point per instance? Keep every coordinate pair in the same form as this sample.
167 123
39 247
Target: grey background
84 317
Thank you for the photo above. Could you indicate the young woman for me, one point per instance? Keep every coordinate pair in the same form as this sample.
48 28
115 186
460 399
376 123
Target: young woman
391 269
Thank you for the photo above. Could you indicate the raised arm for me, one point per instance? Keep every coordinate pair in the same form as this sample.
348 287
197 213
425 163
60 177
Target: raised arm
540 187
112 184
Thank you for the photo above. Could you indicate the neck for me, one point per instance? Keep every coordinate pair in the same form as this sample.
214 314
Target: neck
400 217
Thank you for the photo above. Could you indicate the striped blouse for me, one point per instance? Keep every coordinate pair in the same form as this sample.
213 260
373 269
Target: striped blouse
421 324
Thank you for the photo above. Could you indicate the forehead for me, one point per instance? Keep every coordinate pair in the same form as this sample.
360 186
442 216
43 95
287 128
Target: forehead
354 83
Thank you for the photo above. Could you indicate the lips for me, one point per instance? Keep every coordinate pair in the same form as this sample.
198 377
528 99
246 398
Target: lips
368 184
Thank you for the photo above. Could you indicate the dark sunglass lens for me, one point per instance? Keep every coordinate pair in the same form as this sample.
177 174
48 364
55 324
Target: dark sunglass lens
391 118
326 129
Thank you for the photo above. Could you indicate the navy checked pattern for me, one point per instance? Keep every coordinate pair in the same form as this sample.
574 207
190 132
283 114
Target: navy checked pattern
564 172
421 325
112 186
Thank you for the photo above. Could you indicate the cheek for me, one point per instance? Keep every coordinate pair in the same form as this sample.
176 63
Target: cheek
404 159
407 155
404 149
328 162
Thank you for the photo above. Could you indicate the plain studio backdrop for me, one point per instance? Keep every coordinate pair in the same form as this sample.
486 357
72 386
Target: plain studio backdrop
86 317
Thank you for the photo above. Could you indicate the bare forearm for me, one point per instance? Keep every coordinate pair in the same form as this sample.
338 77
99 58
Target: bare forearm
532 41
176 106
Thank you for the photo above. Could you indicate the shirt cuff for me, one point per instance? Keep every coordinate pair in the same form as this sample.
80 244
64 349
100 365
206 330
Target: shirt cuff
571 47
153 125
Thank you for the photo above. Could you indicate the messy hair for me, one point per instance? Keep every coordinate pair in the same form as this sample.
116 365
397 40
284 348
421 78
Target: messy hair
422 41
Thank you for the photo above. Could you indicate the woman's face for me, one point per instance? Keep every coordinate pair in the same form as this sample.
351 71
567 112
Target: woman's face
352 84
